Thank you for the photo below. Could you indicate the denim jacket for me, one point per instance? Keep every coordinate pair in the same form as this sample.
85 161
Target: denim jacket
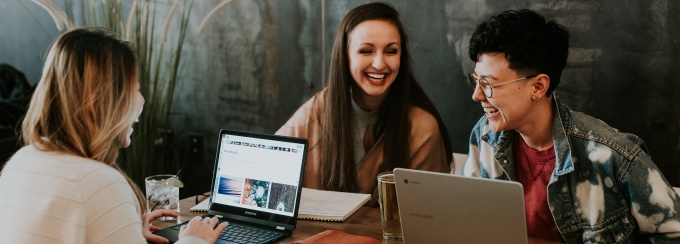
605 187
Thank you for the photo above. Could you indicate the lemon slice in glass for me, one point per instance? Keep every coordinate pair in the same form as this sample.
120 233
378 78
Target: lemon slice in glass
176 182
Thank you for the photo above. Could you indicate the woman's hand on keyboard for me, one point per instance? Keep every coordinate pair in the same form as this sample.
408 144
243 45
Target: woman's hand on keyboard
204 228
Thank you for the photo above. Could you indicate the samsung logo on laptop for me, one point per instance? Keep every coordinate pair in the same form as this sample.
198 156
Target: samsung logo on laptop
251 213
422 216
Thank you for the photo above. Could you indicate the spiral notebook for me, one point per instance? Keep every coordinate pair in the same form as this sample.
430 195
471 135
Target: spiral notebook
329 205
201 207
318 204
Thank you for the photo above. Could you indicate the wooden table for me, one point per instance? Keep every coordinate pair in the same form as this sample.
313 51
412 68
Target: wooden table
364 222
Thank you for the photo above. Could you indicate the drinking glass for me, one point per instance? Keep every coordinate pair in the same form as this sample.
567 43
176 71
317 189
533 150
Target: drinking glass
389 209
162 192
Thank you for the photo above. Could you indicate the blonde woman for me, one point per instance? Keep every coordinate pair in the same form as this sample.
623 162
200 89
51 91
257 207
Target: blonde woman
64 185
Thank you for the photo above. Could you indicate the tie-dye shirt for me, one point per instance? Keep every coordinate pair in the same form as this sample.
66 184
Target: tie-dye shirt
605 187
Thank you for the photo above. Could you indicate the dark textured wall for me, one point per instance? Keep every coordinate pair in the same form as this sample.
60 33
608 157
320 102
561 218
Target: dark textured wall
252 67
621 68
258 61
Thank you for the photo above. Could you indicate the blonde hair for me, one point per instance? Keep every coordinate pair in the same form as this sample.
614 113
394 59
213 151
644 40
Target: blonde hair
85 98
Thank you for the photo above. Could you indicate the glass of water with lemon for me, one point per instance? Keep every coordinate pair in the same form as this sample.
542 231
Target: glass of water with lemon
162 192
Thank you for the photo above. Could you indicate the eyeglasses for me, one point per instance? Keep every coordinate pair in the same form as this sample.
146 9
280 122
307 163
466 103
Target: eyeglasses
487 88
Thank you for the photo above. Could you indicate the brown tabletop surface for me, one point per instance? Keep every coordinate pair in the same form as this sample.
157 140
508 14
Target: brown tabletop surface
364 222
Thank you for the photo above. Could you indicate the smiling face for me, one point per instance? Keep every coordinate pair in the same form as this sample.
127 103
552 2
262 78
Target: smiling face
374 51
124 138
510 106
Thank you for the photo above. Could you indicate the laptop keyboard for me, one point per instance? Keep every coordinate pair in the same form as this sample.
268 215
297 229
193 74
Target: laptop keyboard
245 234
236 233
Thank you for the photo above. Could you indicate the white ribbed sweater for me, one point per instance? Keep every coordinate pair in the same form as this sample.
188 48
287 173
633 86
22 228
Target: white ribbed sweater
53 197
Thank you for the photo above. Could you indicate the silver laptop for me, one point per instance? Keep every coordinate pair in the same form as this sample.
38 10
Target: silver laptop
446 208
257 181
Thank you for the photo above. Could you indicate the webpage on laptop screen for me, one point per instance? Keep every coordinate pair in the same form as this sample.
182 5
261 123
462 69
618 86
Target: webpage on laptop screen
258 174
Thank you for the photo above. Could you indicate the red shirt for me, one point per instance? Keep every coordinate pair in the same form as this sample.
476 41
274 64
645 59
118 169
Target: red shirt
533 169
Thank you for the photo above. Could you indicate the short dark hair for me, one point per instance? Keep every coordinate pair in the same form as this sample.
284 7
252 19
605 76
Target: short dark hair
531 44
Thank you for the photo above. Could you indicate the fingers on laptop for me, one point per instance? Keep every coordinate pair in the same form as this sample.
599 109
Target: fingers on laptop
194 219
219 228
212 222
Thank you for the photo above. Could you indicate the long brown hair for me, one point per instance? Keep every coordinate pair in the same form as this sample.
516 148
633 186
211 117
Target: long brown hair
85 98
338 171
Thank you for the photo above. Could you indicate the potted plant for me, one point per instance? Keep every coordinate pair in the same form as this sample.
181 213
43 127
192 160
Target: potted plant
158 56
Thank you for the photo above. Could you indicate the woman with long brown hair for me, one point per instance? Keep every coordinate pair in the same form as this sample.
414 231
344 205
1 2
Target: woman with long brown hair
372 116
64 185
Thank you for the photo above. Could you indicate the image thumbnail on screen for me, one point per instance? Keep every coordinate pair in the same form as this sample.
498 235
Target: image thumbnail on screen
255 193
230 186
282 197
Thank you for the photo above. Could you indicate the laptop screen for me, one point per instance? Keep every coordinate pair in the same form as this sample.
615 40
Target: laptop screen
258 176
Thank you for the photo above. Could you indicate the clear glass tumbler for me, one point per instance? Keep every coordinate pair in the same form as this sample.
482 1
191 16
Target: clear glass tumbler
162 192
389 209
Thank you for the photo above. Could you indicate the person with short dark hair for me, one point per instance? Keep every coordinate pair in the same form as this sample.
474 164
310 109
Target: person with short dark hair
372 116
584 181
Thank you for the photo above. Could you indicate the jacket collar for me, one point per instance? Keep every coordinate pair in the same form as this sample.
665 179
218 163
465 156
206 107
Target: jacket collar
564 164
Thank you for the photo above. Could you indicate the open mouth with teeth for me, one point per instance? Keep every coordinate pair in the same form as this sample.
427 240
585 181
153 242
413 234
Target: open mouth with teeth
490 112
375 77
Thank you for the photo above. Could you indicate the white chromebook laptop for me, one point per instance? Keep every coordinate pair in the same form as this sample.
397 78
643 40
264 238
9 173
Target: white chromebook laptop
446 208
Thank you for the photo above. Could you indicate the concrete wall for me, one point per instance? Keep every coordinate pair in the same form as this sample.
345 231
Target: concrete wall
258 61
